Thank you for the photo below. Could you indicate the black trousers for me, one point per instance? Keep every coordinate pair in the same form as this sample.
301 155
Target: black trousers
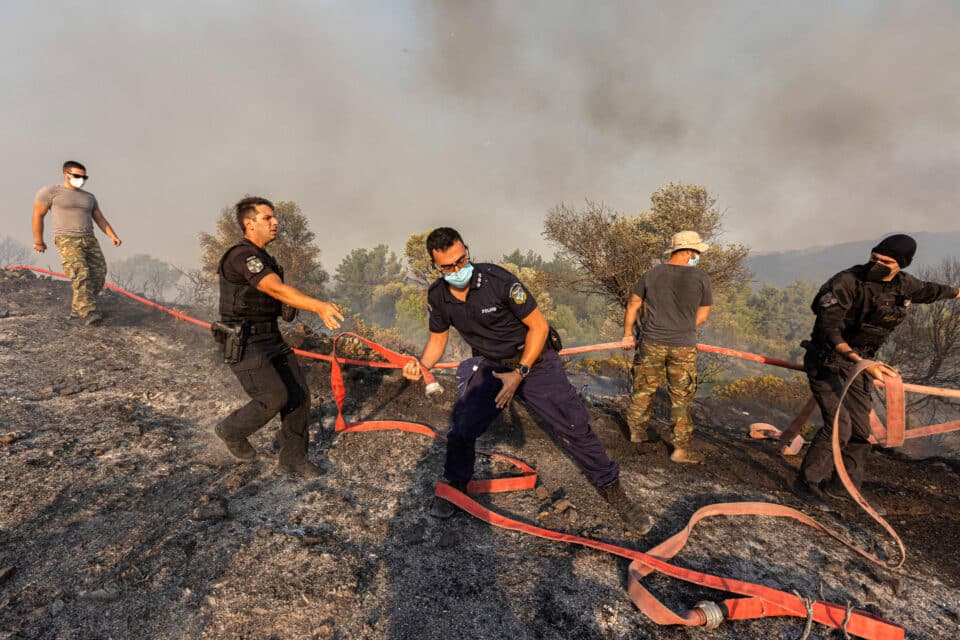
270 374
826 377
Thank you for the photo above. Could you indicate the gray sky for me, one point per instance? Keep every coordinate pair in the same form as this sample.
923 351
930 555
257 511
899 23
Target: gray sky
812 122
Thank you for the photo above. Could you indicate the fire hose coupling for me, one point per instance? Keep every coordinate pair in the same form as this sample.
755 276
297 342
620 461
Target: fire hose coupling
710 612
433 389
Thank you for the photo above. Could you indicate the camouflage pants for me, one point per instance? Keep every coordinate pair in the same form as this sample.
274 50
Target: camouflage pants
83 262
653 363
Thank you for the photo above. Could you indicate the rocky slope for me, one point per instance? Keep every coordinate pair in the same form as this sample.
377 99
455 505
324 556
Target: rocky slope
121 516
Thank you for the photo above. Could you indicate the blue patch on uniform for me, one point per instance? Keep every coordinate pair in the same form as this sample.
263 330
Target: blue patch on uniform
517 294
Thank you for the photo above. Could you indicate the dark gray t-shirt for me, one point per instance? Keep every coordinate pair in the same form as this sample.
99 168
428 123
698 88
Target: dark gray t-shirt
71 209
671 294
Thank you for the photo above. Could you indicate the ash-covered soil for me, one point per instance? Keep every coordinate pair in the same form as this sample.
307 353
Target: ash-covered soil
122 516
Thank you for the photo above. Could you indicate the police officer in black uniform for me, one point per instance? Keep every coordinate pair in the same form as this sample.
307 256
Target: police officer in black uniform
498 317
252 296
856 310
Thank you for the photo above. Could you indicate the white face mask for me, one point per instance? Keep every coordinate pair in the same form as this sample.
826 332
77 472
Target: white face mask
76 183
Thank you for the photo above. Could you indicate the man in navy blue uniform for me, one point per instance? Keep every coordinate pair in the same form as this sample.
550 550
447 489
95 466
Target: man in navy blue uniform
498 317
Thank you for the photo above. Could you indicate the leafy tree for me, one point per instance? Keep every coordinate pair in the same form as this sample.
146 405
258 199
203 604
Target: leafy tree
410 312
293 247
529 259
144 274
770 321
361 272
419 265
613 250
565 322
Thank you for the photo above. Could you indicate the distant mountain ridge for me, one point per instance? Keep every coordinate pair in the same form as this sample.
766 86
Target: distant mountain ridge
816 264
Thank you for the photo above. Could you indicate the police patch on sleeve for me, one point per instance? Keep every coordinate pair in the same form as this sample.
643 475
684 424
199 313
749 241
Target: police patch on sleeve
517 294
254 264
828 300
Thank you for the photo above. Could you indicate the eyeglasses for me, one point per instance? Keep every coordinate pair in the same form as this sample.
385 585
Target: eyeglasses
77 175
456 266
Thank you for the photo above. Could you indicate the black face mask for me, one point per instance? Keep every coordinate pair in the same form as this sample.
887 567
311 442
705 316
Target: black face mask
876 272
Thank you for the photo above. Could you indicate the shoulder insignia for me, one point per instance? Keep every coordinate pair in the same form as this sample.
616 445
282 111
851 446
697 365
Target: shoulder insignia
828 300
254 264
517 294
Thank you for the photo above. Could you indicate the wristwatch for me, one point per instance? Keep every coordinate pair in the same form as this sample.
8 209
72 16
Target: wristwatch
523 370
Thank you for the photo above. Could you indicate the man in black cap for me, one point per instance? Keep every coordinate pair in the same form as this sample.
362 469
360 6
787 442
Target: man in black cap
856 310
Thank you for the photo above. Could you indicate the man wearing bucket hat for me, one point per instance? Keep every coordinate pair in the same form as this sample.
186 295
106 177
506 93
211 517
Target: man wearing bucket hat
856 310
667 305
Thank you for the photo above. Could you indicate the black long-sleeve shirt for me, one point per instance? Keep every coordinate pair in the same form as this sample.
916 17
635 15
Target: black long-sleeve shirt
862 313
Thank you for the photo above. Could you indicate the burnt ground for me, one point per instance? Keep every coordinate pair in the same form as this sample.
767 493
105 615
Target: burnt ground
123 517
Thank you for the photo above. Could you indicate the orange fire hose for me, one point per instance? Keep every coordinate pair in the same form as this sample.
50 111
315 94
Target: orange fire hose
758 601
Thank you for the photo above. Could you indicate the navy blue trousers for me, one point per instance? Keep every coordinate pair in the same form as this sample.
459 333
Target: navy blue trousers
547 391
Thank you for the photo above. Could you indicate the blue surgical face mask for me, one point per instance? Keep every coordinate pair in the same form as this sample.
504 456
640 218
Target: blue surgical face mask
694 261
460 279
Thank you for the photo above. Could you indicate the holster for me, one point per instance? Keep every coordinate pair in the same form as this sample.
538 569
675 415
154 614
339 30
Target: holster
233 337
288 313
818 360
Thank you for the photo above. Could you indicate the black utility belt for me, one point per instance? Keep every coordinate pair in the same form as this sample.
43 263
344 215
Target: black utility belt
233 336
513 362
825 352
257 328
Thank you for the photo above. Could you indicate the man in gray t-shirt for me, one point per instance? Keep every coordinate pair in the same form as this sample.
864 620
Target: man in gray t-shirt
668 304
74 212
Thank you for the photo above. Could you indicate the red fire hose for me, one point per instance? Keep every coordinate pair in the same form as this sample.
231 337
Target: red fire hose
756 601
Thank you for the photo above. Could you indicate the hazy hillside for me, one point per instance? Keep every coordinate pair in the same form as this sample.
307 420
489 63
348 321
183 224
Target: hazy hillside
819 263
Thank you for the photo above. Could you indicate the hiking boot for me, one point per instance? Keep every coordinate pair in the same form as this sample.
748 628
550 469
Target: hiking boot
688 456
92 318
240 449
73 316
305 468
441 507
631 512
836 491
811 493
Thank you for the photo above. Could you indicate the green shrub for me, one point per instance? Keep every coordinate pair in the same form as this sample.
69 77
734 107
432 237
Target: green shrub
790 394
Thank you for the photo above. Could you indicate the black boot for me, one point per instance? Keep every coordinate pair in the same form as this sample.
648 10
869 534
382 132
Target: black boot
441 507
811 493
241 449
631 512
304 468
